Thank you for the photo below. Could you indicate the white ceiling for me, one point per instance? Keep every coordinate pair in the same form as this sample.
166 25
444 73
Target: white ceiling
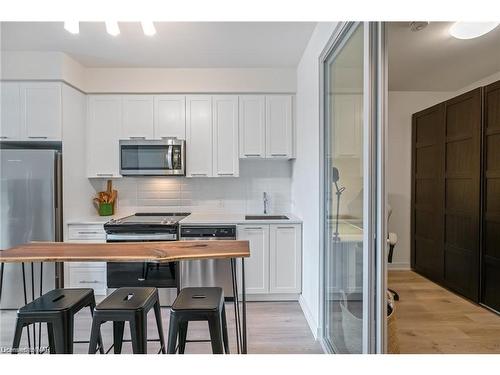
432 60
176 44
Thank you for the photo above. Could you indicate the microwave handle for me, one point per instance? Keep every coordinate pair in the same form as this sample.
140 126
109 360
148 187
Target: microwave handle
169 157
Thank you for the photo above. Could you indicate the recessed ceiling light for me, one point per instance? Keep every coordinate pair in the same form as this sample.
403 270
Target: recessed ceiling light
148 28
72 26
470 30
112 28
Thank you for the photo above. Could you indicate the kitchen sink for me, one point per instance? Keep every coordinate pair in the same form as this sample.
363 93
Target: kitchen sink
266 217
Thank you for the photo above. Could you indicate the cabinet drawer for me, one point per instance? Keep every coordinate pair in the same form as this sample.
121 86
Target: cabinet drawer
86 265
89 278
93 232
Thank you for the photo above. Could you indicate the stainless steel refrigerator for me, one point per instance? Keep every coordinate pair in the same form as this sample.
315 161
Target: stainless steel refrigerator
31 210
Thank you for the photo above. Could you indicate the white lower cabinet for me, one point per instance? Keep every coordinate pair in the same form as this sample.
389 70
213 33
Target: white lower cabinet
86 274
285 259
257 266
275 263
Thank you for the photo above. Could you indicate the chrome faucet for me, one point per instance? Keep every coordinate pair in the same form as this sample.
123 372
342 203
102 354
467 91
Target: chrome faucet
266 202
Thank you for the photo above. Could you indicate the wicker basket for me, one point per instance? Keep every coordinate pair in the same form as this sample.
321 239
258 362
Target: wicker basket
392 330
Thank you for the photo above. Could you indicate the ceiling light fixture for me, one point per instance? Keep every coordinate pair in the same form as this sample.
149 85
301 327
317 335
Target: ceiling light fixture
148 28
470 30
72 26
112 28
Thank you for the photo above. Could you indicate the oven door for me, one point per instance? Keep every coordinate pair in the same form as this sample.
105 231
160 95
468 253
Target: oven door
139 274
164 157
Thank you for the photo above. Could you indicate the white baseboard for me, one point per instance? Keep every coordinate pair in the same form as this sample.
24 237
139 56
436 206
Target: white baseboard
313 325
400 266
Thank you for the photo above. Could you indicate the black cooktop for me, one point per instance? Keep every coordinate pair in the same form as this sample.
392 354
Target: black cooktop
148 219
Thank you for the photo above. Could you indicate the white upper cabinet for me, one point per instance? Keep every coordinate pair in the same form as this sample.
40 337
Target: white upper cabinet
41 113
279 126
225 131
285 256
10 109
170 116
252 116
257 265
103 129
199 136
137 121
348 111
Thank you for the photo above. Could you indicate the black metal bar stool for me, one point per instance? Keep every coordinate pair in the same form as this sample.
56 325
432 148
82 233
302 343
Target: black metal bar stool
127 305
198 304
57 308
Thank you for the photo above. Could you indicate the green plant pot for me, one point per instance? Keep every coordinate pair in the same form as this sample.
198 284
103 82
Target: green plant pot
105 209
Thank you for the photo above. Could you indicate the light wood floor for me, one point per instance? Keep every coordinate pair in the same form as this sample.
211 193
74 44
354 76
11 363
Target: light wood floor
431 319
273 327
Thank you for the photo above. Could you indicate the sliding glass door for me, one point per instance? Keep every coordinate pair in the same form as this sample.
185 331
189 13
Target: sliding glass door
351 206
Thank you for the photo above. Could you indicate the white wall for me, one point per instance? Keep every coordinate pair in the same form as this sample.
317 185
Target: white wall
235 195
140 80
33 65
305 177
402 104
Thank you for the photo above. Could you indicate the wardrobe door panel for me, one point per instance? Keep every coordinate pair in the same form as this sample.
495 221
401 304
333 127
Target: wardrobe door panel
490 286
427 192
462 193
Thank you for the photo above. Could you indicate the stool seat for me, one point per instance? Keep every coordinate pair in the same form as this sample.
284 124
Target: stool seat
193 299
58 300
129 299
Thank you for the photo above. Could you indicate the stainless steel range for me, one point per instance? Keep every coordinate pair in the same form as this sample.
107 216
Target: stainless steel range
143 227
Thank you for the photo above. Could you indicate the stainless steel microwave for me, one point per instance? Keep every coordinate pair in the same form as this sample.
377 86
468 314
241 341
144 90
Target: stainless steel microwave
164 157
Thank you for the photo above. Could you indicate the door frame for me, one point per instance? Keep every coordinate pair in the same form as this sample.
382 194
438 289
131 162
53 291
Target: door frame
374 154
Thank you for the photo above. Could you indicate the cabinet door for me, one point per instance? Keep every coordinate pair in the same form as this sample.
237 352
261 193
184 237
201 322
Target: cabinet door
252 127
10 108
348 111
103 129
199 136
170 116
257 265
225 145
279 129
137 119
41 113
285 270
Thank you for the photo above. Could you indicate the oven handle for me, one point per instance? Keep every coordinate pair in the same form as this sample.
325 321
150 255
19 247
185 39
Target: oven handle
170 162
142 237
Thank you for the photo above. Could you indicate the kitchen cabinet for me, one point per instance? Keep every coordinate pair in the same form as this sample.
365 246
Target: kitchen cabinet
170 116
285 259
103 129
279 127
31 111
257 265
225 136
274 267
348 114
86 274
252 126
199 135
10 108
41 110
137 119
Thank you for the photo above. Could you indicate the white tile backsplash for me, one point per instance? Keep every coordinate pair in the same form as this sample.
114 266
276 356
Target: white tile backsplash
239 195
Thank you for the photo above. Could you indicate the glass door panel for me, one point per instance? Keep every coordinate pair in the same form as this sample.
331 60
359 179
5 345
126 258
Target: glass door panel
344 185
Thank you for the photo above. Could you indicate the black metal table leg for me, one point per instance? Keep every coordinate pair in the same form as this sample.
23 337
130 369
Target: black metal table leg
244 307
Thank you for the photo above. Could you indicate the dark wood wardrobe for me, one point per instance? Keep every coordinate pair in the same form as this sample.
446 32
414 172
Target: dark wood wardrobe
455 208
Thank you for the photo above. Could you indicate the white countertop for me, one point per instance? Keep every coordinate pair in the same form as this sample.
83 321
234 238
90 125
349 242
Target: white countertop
231 218
199 218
